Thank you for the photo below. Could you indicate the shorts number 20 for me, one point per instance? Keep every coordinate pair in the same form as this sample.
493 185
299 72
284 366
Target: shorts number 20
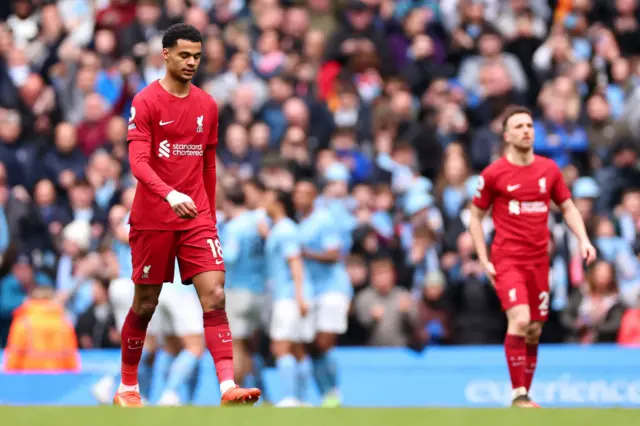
216 249
544 303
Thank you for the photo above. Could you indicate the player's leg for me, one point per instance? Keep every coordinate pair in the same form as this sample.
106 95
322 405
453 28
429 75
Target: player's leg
515 348
134 334
258 365
186 322
324 368
149 249
539 299
304 371
147 363
185 353
512 291
200 259
258 344
242 327
331 321
304 368
120 298
532 340
282 332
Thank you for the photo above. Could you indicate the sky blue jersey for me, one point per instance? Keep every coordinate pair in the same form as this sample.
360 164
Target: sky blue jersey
320 233
282 244
243 249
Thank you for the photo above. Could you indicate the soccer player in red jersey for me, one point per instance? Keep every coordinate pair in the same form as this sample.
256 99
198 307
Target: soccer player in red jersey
519 186
173 134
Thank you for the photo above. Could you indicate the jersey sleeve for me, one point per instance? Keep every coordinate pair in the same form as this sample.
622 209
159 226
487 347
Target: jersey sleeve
139 138
559 191
290 244
139 121
331 238
485 190
213 131
209 173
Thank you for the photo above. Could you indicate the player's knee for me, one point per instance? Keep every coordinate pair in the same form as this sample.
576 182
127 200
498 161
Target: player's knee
145 307
519 324
279 349
534 331
213 299
324 342
145 300
194 344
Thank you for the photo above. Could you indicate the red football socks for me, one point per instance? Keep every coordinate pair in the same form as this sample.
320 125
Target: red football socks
531 363
218 338
134 332
516 352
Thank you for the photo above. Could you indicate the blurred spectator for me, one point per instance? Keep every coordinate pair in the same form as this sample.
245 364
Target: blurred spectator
388 312
433 311
41 339
594 313
96 327
14 289
618 252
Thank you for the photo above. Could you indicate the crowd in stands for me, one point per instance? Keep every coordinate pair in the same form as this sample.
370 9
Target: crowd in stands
393 107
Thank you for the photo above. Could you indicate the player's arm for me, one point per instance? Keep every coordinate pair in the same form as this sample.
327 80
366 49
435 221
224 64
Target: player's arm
574 220
329 256
139 138
477 233
297 273
561 195
482 200
292 253
209 175
331 244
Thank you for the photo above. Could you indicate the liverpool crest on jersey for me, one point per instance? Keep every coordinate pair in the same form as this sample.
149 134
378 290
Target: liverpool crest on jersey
543 185
200 122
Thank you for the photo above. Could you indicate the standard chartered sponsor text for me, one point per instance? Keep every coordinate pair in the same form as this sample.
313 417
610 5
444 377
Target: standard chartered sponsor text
187 150
564 390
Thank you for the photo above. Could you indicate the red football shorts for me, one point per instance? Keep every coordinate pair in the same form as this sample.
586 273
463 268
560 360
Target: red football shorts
524 284
153 254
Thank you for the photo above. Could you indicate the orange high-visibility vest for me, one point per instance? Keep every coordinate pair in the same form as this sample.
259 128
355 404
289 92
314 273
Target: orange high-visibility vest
41 339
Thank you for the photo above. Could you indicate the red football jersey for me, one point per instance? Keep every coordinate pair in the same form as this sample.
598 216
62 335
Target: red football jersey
520 196
177 131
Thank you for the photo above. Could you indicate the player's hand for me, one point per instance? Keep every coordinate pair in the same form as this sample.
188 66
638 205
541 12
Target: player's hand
490 270
587 251
182 205
303 306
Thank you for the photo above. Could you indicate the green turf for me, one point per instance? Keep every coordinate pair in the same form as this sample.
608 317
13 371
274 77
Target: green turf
205 416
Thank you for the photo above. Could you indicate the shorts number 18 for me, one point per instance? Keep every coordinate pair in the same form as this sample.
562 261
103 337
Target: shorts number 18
216 249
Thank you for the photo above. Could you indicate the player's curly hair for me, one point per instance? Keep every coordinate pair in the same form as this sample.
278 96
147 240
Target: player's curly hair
180 32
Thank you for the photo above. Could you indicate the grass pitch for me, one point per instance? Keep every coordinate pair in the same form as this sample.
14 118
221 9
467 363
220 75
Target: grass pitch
268 416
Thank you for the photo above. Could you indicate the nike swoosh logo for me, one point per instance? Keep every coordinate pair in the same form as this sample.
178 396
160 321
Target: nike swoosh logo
512 187
164 123
219 262
226 341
